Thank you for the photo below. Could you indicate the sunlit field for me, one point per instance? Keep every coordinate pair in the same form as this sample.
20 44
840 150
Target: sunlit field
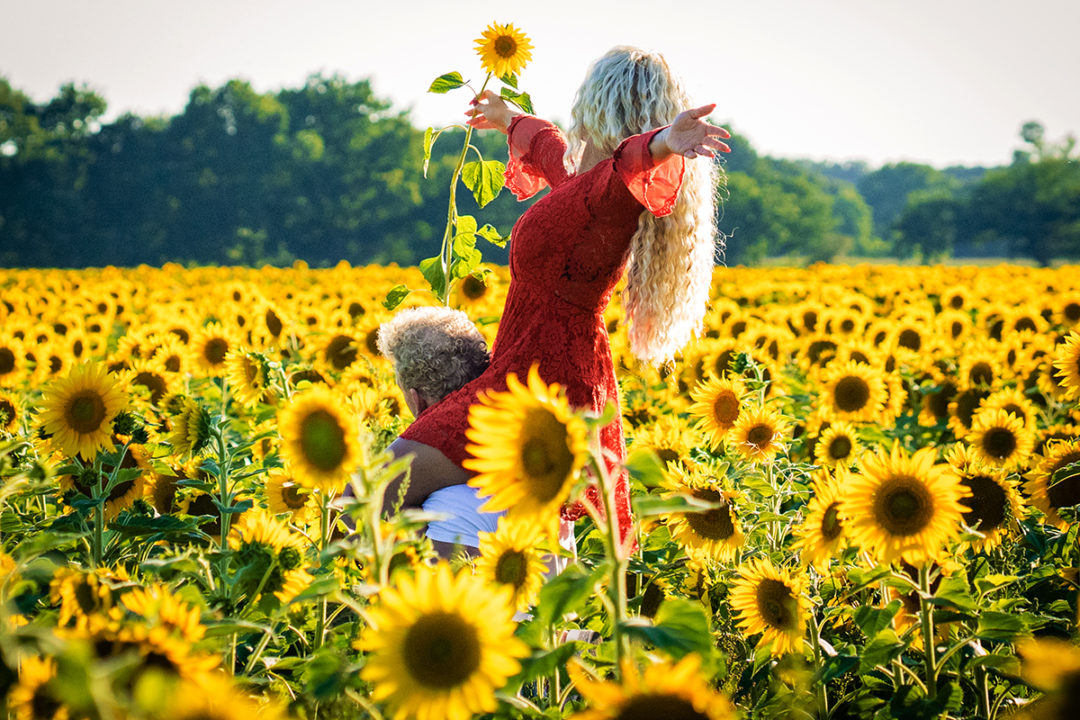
855 496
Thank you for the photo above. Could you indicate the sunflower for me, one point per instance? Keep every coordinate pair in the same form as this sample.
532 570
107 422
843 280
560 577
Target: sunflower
503 50
78 410
151 377
669 438
33 697
1055 482
527 447
10 412
853 390
319 441
246 373
1053 666
1067 363
257 527
979 370
161 608
1015 402
770 601
284 495
999 438
993 503
509 556
12 359
440 644
717 404
678 691
821 535
837 446
903 507
173 354
211 344
341 351
190 429
81 596
714 533
758 434
214 696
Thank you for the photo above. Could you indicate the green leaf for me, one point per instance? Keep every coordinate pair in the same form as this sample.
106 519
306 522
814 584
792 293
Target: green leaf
429 140
239 627
242 506
431 269
395 296
509 79
485 179
133 526
489 233
446 83
522 100
680 628
880 651
645 466
651 505
465 225
834 667
872 620
543 663
1000 626
566 593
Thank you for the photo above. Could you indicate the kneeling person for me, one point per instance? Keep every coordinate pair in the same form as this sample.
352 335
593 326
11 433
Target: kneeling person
435 351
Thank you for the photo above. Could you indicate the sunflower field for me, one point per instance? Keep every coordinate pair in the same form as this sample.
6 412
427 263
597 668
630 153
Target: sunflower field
855 496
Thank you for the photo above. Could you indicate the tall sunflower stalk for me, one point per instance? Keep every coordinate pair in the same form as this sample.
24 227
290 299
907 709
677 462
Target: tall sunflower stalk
504 51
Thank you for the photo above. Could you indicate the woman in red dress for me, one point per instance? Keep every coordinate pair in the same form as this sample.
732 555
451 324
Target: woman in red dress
622 194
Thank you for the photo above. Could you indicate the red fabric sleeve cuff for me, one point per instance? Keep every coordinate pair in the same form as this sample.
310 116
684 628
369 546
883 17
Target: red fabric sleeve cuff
521 179
654 185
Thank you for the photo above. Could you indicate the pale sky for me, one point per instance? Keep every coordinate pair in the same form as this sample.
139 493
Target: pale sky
937 81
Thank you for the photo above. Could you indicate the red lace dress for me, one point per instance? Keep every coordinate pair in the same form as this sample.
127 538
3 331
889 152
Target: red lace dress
567 253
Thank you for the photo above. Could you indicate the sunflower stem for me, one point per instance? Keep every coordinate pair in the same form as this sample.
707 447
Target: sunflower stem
99 516
618 562
324 534
446 253
819 687
927 619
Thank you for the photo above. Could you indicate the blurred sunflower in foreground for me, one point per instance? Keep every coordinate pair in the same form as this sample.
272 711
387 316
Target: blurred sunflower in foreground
440 644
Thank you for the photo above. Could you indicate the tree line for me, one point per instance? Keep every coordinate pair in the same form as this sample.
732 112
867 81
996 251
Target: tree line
328 171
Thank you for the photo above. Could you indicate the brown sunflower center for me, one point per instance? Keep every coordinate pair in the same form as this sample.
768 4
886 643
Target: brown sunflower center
726 409
1072 311
840 447
903 506
939 402
341 352
658 705
852 393
776 605
505 46
7 360
43 704
956 302
292 497
322 440
273 323
999 442
441 650
473 287
988 503
715 524
512 568
760 435
830 522
215 350
152 382
981 374
546 460
7 412
85 411
666 455
1065 488
909 338
86 596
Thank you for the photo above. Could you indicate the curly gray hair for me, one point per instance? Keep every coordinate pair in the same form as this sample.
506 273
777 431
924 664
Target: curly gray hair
434 350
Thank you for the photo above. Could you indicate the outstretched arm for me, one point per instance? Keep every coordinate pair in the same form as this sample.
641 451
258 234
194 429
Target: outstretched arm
690 136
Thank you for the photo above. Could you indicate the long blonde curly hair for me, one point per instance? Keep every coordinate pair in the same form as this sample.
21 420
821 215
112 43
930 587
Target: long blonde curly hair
626 92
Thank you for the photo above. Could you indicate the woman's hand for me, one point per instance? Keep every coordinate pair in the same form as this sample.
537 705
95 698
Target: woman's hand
690 136
490 111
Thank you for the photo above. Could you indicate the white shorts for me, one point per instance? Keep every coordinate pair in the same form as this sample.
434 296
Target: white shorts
462 504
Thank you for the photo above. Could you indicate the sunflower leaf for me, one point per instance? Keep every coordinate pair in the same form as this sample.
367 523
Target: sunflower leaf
509 79
1000 626
489 233
879 652
652 505
429 135
485 179
446 83
645 466
522 100
432 270
680 628
566 593
395 296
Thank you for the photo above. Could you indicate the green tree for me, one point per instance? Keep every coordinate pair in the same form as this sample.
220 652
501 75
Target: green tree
886 190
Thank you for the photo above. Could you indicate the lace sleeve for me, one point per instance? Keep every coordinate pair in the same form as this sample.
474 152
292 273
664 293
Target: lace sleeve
536 150
654 185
